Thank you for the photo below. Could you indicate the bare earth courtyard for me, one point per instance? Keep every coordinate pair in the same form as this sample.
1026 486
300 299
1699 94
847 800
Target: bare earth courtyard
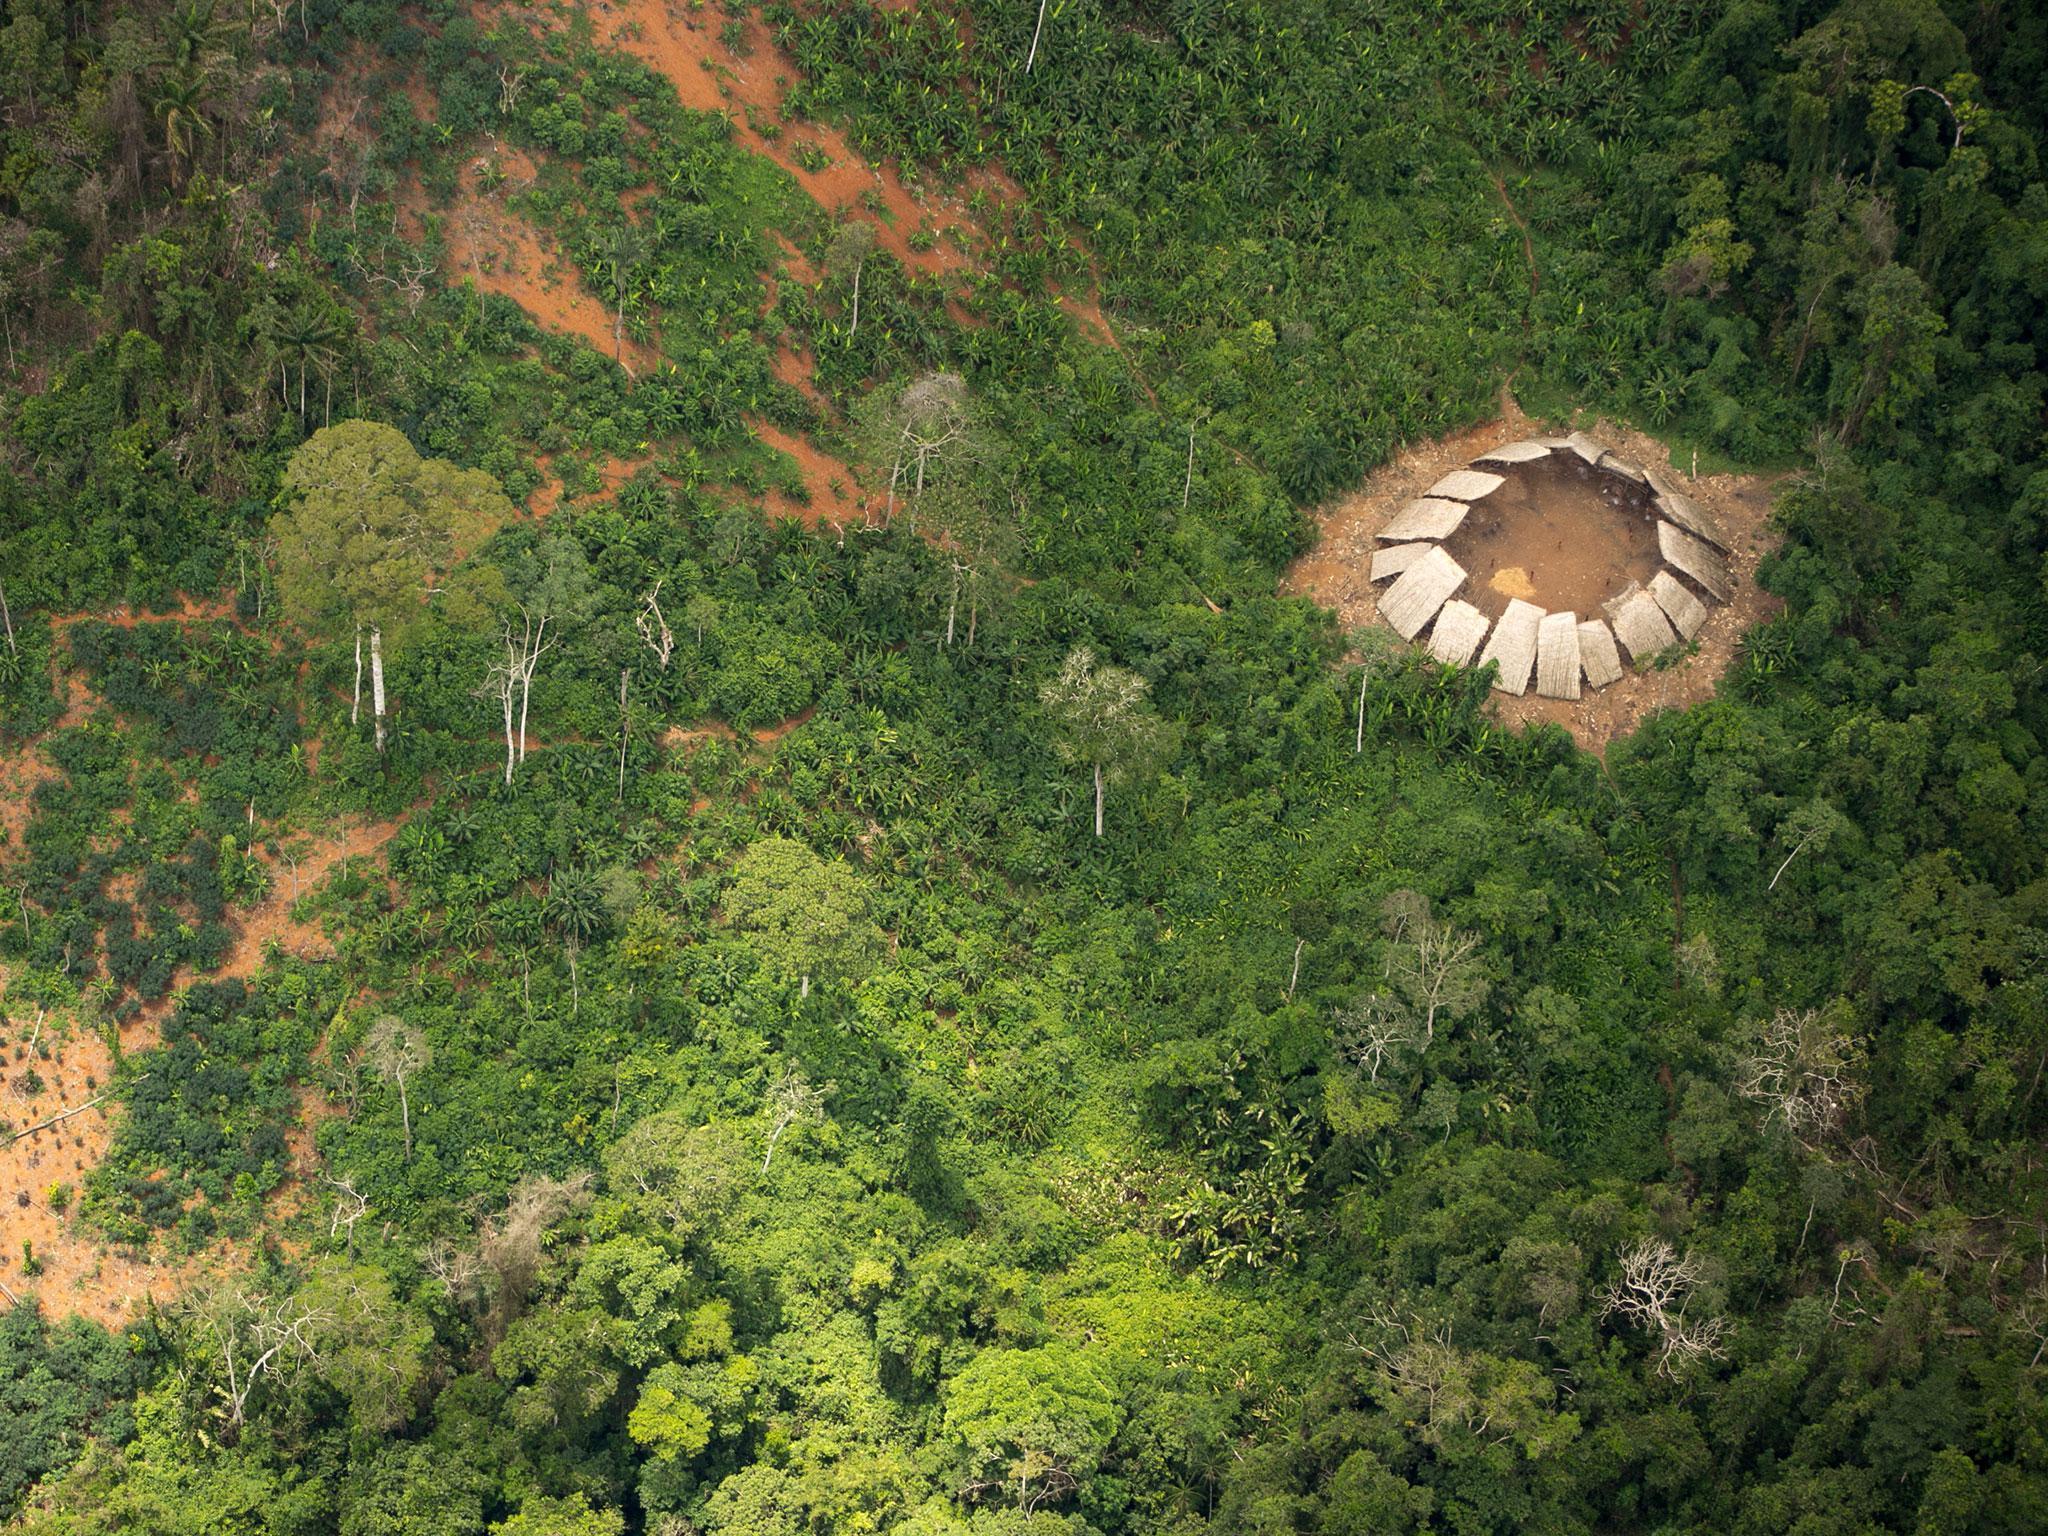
1571 531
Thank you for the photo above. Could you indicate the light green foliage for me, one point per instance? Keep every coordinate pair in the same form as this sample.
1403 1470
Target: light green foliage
540 1515
364 522
1101 716
1096 1209
372 1346
1029 1425
805 916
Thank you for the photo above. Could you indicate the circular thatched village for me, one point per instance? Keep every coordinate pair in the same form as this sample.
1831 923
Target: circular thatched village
1506 560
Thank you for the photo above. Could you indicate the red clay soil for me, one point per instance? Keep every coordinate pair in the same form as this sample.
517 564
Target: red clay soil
1560 534
684 45
1337 572
612 472
841 509
497 249
79 1270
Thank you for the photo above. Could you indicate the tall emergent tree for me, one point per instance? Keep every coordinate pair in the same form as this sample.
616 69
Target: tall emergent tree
1102 716
363 527
807 916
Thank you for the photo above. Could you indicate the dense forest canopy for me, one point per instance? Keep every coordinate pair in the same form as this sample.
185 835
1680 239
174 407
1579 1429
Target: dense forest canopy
703 888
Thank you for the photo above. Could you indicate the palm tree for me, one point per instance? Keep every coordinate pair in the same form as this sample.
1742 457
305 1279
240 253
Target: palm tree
574 908
305 333
620 251
181 107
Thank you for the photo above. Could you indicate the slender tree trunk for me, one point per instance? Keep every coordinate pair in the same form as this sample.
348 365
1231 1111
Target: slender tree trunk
1032 57
405 1113
377 681
1359 745
355 704
953 606
895 477
1098 799
804 989
7 621
1187 486
526 671
851 329
505 698
625 726
973 613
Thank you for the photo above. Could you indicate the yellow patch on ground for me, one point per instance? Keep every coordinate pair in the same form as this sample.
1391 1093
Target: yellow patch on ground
1513 581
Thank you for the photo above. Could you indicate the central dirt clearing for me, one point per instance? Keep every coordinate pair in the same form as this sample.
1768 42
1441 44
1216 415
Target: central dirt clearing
1560 534
1337 572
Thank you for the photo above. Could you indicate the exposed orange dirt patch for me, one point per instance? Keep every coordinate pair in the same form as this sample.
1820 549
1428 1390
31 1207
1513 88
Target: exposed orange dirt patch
501 251
841 508
1337 572
79 1270
748 87
547 496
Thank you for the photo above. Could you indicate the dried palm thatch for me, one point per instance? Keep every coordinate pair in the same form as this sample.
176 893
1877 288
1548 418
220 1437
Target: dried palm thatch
1686 612
1557 656
1515 453
1427 517
1597 655
1467 485
1695 558
1513 645
1413 600
1396 558
1681 509
1459 629
1639 624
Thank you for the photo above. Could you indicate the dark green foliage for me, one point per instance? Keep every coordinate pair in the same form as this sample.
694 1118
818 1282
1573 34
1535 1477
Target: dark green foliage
1065 1198
58 1385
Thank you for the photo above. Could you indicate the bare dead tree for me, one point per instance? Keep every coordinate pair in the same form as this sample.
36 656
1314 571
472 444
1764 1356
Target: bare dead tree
1654 1289
932 421
258 1338
350 1206
1374 1032
511 82
1435 1383
501 687
1804 1071
1430 963
460 1269
653 627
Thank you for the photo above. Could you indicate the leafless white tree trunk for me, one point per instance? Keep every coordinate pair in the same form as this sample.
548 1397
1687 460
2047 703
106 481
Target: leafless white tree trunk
1031 58
1804 1071
377 681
